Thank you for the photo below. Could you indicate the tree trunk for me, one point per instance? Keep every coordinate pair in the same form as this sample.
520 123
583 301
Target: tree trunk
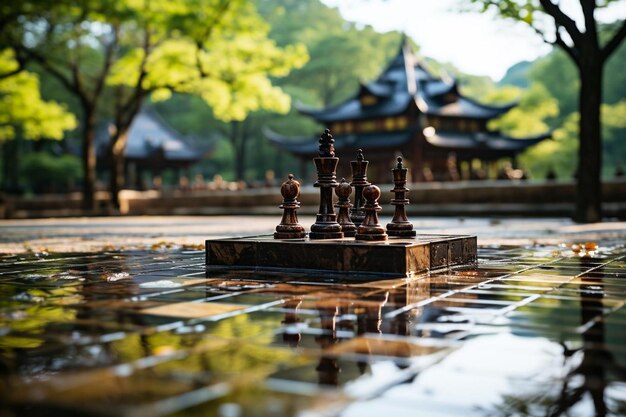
11 166
238 141
589 185
89 159
118 145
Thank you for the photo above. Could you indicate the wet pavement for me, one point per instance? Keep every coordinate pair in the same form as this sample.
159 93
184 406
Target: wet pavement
534 329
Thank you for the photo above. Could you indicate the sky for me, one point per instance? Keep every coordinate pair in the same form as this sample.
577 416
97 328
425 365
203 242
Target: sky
476 43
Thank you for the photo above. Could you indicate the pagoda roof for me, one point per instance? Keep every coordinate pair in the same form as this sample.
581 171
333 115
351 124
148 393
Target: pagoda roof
308 146
477 141
353 110
403 81
449 141
462 107
149 135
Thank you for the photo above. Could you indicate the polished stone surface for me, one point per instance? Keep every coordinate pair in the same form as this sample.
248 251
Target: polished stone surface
394 256
529 330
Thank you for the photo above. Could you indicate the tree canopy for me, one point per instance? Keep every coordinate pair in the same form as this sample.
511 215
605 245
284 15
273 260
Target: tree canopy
23 111
117 52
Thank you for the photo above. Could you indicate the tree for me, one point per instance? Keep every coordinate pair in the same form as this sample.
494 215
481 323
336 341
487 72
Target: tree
125 51
24 114
584 49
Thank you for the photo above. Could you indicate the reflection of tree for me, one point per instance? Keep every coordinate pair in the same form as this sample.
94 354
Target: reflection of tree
597 364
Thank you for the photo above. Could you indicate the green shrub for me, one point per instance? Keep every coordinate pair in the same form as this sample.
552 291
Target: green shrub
42 172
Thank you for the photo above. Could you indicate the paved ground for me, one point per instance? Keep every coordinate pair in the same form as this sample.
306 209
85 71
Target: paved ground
94 234
528 330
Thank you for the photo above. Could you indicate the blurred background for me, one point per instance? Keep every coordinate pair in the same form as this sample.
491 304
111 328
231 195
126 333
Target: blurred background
118 106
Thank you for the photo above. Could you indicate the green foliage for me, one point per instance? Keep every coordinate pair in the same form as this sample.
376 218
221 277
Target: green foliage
558 154
560 77
614 134
529 117
22 108
330 74
229 68
43 172
517 75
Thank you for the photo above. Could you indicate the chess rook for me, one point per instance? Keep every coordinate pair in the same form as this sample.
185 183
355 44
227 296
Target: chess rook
370 229
400 225
289 228
359 182
326 226
343 192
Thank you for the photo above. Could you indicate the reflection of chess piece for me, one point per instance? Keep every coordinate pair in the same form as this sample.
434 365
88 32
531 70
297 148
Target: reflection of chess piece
359 181
327 368
370 229
343 192
289 228
326 226
291 335
400 225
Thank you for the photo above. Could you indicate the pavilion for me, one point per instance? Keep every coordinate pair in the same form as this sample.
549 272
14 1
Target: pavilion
152 147
408 111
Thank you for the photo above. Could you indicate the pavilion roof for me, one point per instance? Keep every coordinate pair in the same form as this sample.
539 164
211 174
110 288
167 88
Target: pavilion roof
149 135
405 81
480 140
445 141
308 146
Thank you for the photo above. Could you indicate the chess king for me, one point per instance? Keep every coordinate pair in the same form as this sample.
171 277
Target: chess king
326 226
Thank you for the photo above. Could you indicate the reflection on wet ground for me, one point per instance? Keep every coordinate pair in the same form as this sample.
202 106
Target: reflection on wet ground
526 331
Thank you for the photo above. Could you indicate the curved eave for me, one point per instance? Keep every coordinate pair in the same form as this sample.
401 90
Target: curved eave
353 110
464 108
493 142
377 89
497 110
308 146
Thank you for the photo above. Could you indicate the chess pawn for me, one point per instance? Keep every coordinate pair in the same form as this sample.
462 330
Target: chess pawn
289 228
343 192
370 229
359 182
400 225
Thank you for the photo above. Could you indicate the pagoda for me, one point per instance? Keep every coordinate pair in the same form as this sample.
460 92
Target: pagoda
408 111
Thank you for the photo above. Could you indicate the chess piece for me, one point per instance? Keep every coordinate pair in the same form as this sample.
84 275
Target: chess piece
289 228
326 226
359 181
370 229
343 192
400 225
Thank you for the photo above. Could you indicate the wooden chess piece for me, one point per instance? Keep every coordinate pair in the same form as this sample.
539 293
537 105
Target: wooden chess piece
370 229
326 226
359 182
289 228
343 192
400 225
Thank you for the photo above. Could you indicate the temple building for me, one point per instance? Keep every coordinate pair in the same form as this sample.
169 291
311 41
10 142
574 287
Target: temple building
407 111
152 148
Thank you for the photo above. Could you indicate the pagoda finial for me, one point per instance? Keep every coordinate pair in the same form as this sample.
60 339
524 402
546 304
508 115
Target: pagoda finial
399 166
327 147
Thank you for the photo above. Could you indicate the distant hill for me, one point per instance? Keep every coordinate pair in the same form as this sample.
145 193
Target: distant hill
517 75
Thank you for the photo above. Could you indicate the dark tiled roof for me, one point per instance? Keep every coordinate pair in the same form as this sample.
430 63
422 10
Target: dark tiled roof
352 109
452 141
308 146
402 82
148 136
491 141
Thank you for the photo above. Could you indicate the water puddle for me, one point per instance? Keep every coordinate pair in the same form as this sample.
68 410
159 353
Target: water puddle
526 331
